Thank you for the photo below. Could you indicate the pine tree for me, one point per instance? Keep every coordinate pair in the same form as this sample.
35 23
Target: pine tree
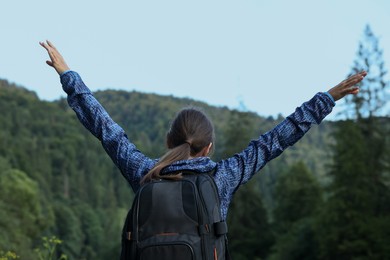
371 119
374 92
298 197
353 223
369 104
343 223
250 235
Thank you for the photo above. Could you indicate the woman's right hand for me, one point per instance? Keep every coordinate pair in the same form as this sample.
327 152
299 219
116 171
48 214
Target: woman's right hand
348 86
56 60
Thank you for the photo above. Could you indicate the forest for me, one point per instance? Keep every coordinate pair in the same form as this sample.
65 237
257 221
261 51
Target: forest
327 197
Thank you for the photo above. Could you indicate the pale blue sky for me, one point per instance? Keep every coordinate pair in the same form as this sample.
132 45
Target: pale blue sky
270 55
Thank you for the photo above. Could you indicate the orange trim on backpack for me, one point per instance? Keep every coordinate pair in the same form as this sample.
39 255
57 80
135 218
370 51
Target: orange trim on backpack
128 235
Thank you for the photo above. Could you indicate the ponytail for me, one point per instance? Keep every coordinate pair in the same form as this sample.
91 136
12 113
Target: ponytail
178 153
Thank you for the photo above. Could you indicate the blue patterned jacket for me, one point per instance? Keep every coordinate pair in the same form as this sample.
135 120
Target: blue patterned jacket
229 173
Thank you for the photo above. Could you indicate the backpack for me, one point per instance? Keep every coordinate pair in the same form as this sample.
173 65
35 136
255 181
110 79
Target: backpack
176 219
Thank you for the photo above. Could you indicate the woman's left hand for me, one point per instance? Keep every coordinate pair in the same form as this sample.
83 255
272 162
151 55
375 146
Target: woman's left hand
56 60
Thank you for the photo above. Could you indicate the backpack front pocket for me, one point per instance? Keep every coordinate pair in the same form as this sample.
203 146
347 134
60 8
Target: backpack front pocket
167 252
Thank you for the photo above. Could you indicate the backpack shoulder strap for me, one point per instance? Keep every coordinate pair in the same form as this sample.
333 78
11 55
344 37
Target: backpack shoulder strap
218 226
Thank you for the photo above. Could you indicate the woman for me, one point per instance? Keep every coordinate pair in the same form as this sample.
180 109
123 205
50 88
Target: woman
190 138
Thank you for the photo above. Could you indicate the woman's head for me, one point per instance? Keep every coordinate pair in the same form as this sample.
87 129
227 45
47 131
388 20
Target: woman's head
191 127
191 135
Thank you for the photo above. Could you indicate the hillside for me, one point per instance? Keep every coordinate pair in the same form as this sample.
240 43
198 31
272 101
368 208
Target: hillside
56 179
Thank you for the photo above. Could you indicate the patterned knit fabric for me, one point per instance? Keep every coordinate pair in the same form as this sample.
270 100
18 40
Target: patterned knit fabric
229 174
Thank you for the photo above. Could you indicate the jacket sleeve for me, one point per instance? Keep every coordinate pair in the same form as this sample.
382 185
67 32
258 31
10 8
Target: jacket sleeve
238 169
131 162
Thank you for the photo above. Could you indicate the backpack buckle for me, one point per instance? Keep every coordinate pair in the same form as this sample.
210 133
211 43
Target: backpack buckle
220 228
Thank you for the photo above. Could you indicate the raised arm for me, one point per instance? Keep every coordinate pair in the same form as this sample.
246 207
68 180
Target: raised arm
132 163
242 166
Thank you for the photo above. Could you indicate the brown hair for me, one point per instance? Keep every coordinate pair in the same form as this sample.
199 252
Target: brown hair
191 131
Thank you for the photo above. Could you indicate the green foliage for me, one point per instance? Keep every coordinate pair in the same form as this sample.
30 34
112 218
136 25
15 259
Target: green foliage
8 255
20 211
298 197
357 202
247 220
299 242
48 249
68 227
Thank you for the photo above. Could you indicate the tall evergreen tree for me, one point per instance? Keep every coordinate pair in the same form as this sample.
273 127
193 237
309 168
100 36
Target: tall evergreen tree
370 105
374 93
298 197
250 234
342 226
353 222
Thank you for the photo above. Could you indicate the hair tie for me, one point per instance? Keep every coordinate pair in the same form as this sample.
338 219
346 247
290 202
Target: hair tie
187 142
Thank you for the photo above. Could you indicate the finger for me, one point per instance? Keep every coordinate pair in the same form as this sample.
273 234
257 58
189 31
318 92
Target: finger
354 77
49 63
359 74
51 55
353 80
357 79
355 90
351 90
350 78
51 44
44 45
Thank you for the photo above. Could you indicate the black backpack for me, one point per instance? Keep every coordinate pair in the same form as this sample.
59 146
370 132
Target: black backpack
176 219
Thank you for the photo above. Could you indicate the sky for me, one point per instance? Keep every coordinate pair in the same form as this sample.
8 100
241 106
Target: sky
267 57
